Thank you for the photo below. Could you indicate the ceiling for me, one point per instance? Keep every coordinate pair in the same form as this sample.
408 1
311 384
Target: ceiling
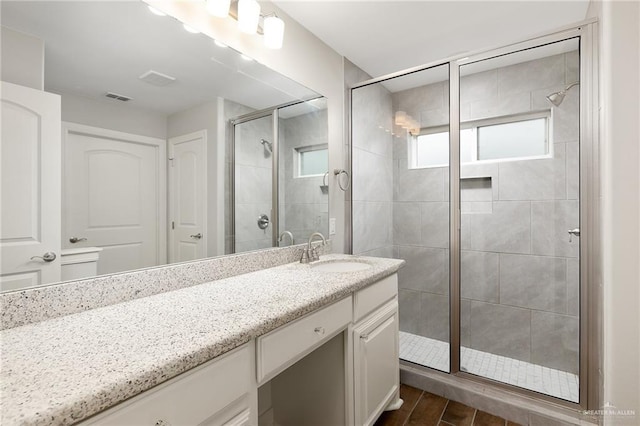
92 48
382 37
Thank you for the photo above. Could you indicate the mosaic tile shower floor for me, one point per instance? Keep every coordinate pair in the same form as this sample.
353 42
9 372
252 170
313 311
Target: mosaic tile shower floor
435 354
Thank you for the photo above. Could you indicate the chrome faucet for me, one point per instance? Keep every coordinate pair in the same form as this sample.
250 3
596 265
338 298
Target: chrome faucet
310 254
287 233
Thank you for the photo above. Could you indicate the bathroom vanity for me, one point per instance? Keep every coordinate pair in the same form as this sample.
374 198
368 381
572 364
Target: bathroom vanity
294 344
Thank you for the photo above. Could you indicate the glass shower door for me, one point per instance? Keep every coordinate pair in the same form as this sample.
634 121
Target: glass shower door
520 220
400 135
252 191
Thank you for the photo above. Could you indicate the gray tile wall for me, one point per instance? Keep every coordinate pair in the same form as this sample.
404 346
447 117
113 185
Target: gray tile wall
519 270
252 181
421 220
230 110
304 207
372 181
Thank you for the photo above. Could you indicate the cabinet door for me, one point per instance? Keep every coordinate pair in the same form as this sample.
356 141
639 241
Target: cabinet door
376 363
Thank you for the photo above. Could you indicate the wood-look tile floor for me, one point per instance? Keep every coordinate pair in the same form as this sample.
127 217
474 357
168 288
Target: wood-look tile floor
422 408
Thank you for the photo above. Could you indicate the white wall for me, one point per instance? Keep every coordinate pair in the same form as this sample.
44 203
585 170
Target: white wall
204 117
22 59
113 116
303 58
620 117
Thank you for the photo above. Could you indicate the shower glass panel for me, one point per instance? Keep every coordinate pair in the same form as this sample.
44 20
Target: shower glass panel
400 195
304 164
519 191
253 146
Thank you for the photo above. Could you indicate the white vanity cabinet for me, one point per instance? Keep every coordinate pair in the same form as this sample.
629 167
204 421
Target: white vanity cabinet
375 351
221 392
338 365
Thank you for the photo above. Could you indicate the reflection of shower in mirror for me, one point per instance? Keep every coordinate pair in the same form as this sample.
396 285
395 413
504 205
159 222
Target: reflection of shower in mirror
267 145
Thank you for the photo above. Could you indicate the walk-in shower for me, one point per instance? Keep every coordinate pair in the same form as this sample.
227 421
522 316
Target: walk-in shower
470 171
276 167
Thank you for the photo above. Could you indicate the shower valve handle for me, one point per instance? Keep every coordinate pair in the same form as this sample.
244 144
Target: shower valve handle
573 232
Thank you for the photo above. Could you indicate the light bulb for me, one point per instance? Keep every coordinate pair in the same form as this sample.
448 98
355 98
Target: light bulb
218 8
248 16
273 32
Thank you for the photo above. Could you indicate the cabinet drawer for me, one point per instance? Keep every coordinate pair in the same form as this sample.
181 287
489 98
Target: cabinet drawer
281 348
212 394
369 298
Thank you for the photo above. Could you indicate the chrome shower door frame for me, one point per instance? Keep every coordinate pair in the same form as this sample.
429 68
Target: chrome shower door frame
273 112
591 340
590 321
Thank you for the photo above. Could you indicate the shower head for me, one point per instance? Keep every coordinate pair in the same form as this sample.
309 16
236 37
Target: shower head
556 98
266 144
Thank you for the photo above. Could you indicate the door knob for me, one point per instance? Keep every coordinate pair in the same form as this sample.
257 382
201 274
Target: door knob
197 236
74 240
47 257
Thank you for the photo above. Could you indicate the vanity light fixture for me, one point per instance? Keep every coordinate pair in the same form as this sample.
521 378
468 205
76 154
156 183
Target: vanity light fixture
273 32
219 8
248 16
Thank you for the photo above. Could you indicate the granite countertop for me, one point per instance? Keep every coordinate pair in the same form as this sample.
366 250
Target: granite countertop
66 369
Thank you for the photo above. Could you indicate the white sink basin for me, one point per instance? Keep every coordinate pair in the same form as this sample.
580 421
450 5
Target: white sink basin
341 266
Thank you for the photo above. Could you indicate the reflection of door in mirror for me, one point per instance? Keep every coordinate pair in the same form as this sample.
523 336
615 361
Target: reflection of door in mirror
114 193
187 197
30 187
151 82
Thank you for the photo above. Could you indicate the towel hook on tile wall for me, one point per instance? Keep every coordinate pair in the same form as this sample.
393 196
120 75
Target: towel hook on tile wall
339 173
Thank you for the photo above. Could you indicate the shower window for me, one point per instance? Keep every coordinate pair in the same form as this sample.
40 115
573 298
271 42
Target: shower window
514 137
312 160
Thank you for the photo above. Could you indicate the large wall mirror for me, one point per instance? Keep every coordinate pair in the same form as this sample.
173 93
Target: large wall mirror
173 147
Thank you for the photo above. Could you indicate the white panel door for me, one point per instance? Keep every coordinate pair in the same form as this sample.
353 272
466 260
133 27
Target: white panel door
114 197
188 197
30 218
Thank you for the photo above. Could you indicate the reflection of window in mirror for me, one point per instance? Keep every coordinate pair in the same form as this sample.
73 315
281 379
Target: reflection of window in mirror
508 138
312 160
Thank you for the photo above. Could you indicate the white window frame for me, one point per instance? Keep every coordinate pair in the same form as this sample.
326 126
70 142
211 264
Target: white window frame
474 125
297 164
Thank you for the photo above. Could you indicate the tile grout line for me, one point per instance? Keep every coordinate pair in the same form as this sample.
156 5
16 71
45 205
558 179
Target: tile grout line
443 410
413 408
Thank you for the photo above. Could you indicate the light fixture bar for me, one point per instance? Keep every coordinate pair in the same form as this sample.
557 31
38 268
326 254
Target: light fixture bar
248 16
219 8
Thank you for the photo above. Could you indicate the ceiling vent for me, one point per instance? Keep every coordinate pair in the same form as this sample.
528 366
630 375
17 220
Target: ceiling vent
118 97
157 78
